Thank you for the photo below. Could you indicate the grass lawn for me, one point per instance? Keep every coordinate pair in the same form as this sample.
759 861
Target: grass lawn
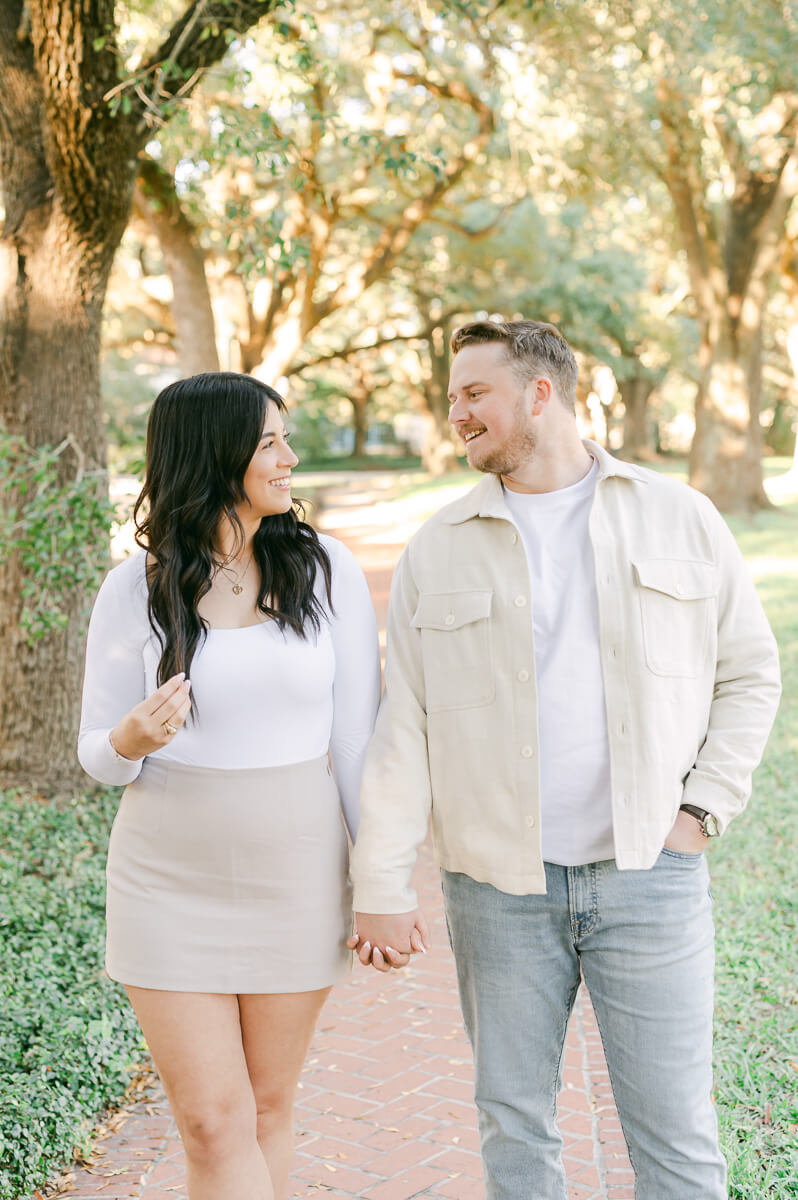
753 883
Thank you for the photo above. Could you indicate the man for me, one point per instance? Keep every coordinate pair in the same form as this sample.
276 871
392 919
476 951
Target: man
580 681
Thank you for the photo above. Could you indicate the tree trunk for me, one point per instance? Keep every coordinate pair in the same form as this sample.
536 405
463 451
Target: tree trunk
51 309
359 399
726 455
67 165
438 454
185 264
635 392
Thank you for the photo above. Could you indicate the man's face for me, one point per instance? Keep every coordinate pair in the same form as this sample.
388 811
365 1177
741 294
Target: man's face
491 409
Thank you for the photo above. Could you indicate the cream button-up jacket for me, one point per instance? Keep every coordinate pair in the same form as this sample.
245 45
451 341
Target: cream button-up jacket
691 683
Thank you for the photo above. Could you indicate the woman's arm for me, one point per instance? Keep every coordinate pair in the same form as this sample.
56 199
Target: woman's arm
113 681
356 687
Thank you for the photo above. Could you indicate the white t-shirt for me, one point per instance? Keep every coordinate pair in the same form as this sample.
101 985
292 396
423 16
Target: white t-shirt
264 697
575 793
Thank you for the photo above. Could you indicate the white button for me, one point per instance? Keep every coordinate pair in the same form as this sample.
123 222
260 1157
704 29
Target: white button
449 619
530 821
679 588
622 728
613 652
523 676
626 800
608 578
520 601
527 751
514 538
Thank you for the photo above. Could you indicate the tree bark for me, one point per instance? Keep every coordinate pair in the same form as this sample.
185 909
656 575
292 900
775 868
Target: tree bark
359 399
156 199
635 392
438 454
726 454
731 258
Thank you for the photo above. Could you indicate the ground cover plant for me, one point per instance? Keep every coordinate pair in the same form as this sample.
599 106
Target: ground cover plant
68 1039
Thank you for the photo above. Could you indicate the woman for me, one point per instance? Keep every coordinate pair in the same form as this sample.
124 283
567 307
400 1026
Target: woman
224 661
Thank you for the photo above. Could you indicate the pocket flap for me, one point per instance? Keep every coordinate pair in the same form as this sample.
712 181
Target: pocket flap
684 579
452 610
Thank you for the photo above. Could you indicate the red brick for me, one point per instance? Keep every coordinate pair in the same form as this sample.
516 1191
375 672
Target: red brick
410 1183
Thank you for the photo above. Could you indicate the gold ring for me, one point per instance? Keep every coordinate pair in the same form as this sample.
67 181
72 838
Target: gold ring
168 728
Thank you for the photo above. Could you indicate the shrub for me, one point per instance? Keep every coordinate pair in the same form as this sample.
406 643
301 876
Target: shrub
68 1038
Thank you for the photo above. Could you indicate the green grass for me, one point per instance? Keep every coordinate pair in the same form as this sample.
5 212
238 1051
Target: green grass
753 883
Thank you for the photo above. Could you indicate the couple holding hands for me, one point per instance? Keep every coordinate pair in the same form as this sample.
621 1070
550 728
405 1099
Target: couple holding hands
579 682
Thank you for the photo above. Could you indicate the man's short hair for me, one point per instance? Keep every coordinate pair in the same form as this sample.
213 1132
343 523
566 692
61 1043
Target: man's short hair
533 348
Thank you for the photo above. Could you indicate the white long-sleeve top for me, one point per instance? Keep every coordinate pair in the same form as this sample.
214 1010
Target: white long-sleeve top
264 697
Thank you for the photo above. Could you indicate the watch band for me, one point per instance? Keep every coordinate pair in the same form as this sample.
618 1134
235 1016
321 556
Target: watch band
709 826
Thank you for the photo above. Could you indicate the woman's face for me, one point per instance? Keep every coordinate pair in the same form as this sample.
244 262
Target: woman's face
267 480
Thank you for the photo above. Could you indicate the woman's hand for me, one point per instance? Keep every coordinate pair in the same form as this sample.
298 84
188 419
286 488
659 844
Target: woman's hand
155 721
388 941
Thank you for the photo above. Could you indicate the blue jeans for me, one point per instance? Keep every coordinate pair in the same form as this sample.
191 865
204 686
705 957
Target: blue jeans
644 943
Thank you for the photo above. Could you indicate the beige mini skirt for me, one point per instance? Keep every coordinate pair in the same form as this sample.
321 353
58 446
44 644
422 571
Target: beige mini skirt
229 881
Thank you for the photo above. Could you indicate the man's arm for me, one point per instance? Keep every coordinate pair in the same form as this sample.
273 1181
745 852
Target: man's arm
747 687
395 798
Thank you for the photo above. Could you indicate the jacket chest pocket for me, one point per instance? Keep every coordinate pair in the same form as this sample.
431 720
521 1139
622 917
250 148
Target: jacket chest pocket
678 601
456 648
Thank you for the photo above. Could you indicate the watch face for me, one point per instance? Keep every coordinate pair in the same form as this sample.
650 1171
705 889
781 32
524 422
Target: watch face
710 825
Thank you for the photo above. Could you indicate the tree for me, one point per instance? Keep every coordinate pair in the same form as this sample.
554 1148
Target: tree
314 202
73 119
704 99
155 198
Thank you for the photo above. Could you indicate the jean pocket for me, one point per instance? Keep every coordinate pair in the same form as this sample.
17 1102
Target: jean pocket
688 857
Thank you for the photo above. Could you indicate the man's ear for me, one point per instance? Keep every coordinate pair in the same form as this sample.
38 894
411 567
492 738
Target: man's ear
541 391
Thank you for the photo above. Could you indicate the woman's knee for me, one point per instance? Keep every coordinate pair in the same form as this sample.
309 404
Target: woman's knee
275 1112
217 1129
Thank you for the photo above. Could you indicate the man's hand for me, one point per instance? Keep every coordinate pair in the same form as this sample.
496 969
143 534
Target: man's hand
686 836
388 940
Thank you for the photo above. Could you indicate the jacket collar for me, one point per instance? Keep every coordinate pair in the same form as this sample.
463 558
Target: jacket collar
487 498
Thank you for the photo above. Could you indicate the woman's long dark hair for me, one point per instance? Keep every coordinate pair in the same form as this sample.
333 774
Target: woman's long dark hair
201 434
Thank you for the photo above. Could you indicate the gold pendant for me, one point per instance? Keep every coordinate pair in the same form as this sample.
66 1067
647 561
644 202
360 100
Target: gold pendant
237 589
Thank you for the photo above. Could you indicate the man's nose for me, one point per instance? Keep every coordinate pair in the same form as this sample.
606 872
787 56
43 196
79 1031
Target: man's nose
457 412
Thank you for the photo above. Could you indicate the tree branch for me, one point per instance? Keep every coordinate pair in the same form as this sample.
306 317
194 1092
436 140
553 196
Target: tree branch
396 235
196 41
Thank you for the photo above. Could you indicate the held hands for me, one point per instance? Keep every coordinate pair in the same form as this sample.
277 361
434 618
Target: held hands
387 940
686 836
155 721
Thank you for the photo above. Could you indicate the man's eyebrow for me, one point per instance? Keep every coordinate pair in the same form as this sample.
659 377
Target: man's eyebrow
469 387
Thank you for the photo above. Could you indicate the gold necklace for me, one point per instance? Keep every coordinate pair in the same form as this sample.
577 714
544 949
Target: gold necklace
238 585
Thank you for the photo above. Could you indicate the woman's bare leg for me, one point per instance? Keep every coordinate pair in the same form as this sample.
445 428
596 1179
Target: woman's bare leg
277 1031
196 1042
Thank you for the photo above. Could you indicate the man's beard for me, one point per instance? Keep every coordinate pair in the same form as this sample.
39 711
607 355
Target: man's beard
516 452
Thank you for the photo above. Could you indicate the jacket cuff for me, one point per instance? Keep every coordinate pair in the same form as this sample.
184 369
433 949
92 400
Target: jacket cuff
712 797
375 897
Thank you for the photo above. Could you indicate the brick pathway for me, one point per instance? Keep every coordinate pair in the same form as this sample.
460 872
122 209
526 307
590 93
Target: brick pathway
384 1108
